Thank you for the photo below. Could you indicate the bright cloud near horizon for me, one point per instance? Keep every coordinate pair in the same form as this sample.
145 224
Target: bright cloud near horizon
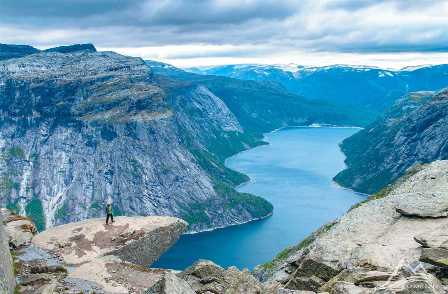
187 33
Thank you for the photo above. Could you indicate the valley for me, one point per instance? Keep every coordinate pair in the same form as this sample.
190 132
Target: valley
289 175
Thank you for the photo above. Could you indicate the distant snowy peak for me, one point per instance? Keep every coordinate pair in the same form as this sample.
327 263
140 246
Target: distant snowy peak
295 69
383 74
259 68
158 64
291 70
418 67
291 67
343 67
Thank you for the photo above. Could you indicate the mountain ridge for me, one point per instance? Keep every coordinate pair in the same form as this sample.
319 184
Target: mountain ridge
9 51
412 132
364 89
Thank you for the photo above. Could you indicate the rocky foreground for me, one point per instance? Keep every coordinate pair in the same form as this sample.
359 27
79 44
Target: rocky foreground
395 242
91 257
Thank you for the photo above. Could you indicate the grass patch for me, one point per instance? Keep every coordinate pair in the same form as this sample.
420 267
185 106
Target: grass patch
96 206
116 210
195 213
13 207
16 152
258 207
279 258
7 185
62 212
216 169
35 211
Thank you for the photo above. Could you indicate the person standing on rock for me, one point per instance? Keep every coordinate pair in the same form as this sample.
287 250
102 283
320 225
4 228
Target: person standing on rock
109 213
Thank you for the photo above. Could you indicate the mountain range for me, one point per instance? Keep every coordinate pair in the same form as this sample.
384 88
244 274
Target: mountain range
368 91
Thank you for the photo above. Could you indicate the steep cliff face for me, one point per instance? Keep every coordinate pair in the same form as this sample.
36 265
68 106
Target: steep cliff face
79 128
414 131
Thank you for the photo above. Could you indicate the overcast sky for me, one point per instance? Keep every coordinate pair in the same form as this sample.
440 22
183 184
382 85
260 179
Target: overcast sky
388 33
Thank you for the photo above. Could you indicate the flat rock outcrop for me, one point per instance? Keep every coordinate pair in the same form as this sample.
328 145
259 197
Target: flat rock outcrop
92 256
394 240
140 240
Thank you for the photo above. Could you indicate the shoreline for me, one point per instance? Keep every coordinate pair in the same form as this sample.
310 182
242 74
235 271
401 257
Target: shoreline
349 189
251 180
232 225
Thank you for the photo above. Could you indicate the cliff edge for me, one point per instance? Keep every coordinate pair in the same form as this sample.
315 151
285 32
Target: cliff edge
90 256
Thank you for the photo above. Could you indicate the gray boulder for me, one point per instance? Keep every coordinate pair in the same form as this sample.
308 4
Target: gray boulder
425 205
435 256
416 284
437 238
170 284
207 277
348 288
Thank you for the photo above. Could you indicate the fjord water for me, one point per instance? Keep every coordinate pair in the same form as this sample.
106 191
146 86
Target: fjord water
294 172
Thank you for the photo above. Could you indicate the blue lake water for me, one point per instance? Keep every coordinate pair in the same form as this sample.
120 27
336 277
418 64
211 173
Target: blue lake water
294 172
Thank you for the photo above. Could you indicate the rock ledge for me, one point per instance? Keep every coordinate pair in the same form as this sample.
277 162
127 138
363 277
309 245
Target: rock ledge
90 256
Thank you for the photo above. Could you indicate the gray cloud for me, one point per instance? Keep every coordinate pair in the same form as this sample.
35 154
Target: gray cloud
140 13
252 27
